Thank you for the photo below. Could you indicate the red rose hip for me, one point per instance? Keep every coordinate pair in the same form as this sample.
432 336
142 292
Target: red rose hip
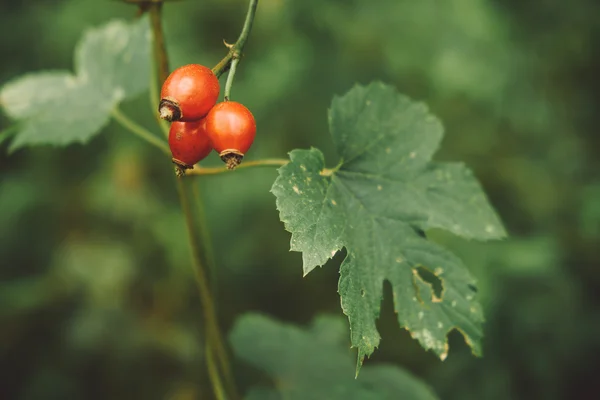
189 143
231 128
188 93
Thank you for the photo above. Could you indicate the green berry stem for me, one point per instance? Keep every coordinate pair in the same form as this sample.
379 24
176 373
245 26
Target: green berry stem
230 76
267 162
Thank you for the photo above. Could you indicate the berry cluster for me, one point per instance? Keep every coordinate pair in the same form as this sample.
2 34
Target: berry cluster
199 124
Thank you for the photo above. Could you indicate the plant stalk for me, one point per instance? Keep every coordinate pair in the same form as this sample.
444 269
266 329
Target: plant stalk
213 335
161 61
214 344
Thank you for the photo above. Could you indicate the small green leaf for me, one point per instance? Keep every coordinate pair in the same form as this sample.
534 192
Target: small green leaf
315 363
377 204
59 108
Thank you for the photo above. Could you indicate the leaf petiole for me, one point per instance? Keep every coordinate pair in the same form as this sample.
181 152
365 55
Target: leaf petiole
139 130
267 162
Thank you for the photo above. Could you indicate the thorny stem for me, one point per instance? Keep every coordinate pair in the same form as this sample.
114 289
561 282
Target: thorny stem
213 335
139 130
235 51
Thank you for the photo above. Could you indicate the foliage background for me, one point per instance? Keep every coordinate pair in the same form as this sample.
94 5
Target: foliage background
97 298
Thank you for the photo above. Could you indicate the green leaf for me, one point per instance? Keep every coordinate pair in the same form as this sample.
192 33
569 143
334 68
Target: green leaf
59 108
315 363
115 59
377 204
65 112
23 97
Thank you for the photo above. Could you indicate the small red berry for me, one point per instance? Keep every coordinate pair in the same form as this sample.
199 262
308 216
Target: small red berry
189 93
231 129
189 143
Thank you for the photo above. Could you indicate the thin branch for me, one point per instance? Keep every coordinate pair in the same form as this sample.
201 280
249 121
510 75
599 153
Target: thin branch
214 373
236 50
139 130
212 329
161 64
154 93
209 255
268 162
230 76
160 49
241 42
208 258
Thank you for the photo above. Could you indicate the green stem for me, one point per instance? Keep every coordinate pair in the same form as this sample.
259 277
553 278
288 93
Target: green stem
241 42
236 50
160 49
203 237
267 162
161 64
230 76
139 130
154 93
207 240
213 372
208 308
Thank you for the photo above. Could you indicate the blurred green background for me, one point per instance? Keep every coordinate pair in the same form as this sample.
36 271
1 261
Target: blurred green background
97 297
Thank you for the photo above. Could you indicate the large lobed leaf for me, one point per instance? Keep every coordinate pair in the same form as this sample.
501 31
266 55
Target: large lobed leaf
111 63
377 204
315 363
